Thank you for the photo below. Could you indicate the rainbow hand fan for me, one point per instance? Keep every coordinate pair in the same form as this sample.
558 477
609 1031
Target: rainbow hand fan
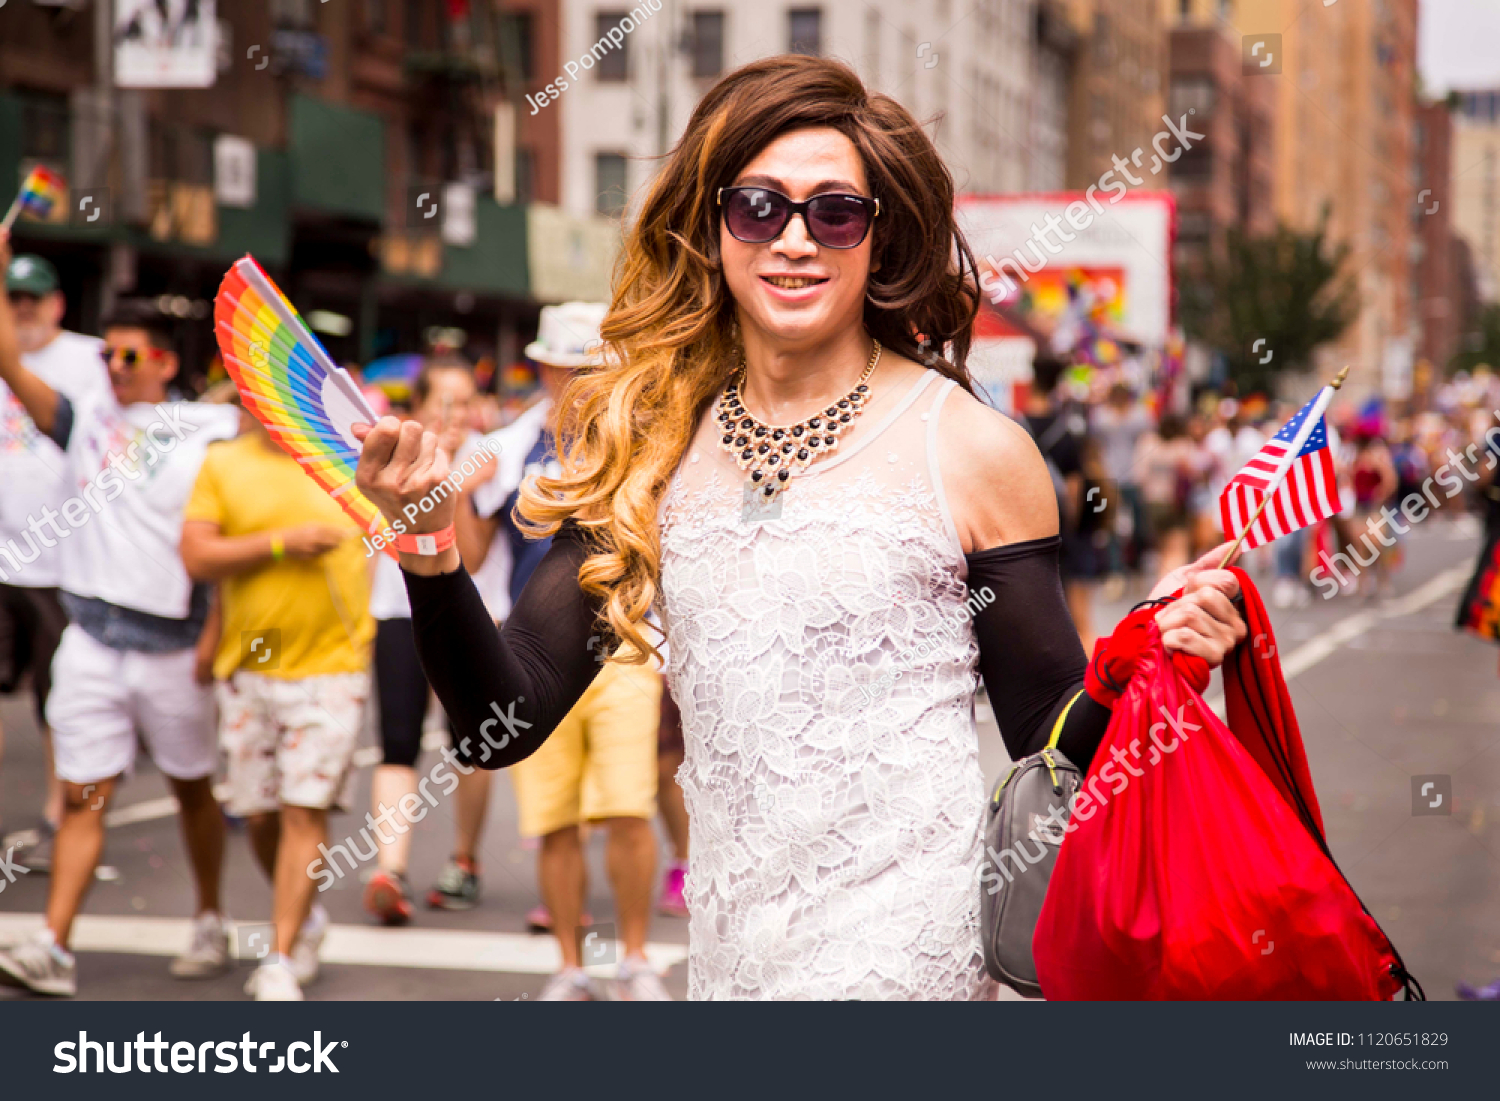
305 400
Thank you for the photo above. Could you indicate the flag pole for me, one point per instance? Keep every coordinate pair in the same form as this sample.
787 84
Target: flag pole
1271 491
12 213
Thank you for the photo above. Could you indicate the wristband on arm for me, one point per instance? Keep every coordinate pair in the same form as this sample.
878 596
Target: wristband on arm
427 544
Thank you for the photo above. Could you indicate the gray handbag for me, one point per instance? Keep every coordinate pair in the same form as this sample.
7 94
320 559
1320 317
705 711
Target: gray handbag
1023 832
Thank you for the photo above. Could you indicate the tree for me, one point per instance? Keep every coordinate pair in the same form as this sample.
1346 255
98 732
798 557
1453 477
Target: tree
1481 347
1270 301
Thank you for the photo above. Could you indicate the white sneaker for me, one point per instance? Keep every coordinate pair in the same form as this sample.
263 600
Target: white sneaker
37 964
309 942
208 949
569 985
637 981
274 982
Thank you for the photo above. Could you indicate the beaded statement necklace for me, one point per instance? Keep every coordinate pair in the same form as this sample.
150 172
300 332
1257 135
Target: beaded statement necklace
772 454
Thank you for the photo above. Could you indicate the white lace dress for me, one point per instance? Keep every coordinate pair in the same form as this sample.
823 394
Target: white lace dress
825 665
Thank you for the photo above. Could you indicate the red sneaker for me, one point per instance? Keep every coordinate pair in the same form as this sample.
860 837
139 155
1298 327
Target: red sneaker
388 898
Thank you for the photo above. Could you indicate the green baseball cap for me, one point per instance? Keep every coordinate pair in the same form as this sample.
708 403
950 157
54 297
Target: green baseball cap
30 274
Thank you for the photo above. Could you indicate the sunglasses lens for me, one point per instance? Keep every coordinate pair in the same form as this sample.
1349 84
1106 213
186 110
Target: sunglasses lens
755 216
838 221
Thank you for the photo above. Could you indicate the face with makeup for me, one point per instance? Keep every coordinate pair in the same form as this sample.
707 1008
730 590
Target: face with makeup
792 291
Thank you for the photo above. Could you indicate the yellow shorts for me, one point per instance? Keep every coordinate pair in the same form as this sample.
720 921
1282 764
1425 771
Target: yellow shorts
600 762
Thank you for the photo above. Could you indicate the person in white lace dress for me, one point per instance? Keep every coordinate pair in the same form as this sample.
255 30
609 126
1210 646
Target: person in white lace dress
825 668
825 642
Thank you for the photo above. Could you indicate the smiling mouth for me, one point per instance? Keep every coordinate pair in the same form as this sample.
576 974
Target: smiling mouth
793 282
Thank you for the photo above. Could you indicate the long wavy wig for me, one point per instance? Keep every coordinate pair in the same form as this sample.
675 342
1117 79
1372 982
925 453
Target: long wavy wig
671 338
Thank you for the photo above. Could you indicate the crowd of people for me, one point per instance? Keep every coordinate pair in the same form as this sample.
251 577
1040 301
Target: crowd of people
1139 485
224 607
800 586
209 597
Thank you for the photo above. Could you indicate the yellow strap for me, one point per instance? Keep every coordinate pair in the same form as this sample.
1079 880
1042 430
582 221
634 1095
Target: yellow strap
1057 726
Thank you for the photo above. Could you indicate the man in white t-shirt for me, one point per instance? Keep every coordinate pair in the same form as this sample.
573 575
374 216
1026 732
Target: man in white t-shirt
136 657
33 474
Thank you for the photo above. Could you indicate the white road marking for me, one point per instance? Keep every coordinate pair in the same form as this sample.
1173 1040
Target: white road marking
149 810
358 945
1293 665
1321 646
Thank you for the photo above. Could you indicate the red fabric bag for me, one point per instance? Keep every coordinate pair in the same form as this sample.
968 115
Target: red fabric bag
1196 868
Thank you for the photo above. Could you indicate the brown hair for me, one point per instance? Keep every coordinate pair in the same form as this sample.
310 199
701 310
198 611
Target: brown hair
670 342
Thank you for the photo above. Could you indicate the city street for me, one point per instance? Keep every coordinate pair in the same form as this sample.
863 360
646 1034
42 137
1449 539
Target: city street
1386 692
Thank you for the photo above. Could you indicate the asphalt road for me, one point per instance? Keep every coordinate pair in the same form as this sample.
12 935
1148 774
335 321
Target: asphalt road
1385 693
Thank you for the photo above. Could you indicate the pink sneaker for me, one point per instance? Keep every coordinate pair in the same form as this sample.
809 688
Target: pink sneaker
672 903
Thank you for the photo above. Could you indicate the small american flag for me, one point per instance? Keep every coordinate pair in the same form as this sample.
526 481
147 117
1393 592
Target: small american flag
1296 468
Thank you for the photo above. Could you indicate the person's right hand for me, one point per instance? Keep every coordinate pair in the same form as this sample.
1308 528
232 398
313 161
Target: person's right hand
310 540
401 465
4 250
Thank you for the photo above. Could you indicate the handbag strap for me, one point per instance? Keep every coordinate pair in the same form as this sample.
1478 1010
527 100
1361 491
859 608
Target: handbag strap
1057 727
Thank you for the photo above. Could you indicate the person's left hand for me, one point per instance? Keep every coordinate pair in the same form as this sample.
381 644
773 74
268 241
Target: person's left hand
1204 620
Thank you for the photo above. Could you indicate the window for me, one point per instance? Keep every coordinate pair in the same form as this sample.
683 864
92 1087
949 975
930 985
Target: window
805 31
292 13
415 149
1193 227
415 24
518 44
1192 93
614 64
377 17
177 152
609 183
525 175
708 43
1196 163
45 133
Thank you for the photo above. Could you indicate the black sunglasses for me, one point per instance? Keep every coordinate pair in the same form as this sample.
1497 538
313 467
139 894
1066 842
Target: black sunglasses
756 215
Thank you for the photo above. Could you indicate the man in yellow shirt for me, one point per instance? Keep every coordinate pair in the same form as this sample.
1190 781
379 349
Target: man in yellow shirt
292 666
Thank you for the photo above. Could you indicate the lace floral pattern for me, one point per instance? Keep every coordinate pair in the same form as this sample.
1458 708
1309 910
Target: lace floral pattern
825 670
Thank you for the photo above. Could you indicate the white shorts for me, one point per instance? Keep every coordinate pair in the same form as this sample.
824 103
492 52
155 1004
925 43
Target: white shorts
102 697
291 741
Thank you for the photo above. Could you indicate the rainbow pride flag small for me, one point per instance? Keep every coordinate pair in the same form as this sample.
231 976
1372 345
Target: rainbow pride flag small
40 192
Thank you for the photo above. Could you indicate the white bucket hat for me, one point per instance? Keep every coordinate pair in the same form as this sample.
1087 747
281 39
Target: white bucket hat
568 335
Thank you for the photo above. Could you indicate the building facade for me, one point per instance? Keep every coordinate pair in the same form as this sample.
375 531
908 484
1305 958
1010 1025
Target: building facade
1438 302
990 81
1118 85
377 156
1224 181
1476 183
1343 80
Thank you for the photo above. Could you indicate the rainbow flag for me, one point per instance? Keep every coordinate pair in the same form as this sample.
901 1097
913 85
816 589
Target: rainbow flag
41 191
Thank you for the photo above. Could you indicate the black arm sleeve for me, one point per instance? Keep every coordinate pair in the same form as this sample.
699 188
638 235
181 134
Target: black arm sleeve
506 690
1029 653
